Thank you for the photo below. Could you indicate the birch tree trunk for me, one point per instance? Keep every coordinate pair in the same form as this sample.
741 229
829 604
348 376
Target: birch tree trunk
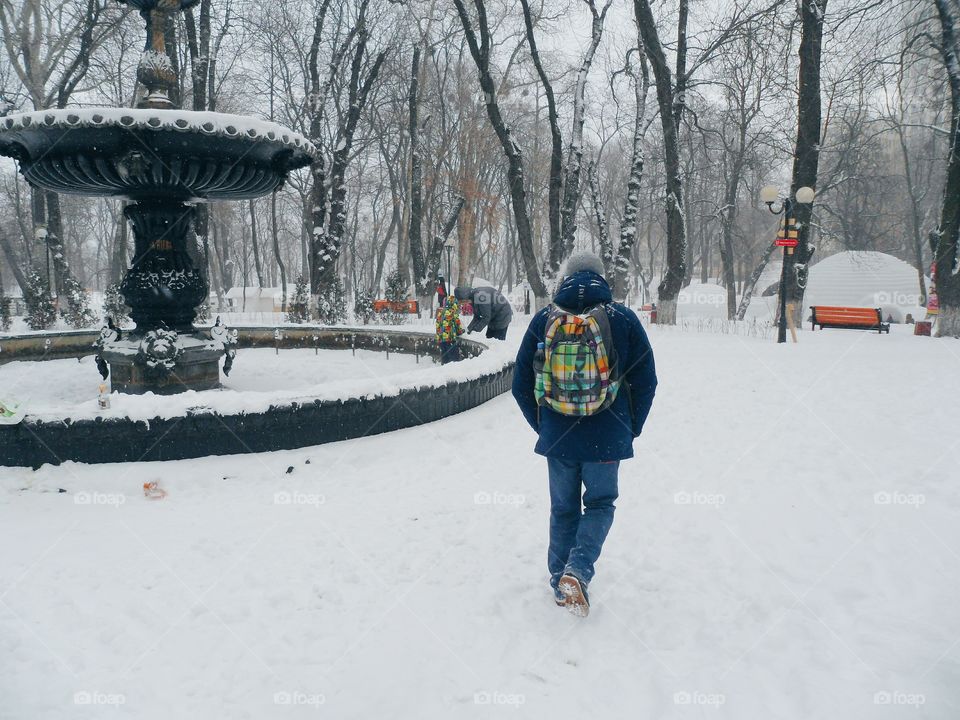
751 283
631 205
603 234
571 179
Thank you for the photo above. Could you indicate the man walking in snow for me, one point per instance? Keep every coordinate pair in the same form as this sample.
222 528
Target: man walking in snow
490 310
585 381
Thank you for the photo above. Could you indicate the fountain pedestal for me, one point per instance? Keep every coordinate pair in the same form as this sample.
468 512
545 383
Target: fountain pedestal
162 287
164 363
165 354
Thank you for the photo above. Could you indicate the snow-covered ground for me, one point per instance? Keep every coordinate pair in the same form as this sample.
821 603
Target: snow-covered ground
786 546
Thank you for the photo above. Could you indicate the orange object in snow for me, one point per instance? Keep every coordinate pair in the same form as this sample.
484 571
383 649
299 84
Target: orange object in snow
153 490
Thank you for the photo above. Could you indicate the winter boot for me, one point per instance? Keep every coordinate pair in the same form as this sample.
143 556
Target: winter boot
575 595
558 597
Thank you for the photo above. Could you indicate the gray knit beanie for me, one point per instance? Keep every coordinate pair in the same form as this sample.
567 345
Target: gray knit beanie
581 261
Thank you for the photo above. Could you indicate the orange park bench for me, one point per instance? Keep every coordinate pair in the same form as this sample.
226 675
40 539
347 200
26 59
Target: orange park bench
402 306
851 318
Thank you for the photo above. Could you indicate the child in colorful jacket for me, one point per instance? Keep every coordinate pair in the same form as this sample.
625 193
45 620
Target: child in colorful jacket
449 330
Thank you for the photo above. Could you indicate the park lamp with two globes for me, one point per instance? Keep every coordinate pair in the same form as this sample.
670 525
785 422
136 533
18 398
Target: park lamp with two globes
770 196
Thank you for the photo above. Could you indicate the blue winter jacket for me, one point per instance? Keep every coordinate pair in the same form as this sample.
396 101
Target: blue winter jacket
609 434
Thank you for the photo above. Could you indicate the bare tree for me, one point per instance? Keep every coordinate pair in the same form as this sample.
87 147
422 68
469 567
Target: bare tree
415 222
327 242
631 205
555 183
669 111
806 157
50 52
745 81
571 177
947 250
600 215
480 50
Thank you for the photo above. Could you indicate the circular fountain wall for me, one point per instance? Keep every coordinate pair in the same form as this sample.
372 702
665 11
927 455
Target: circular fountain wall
220 422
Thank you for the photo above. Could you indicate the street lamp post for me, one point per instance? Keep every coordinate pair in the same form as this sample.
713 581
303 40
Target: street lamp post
787 238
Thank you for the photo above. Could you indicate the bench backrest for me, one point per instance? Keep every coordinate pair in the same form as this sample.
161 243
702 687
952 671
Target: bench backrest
867 317
397 306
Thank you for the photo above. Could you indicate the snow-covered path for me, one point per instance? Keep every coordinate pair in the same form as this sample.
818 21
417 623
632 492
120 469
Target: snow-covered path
403 575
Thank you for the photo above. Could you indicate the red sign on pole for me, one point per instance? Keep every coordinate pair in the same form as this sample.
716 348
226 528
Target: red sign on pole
787 242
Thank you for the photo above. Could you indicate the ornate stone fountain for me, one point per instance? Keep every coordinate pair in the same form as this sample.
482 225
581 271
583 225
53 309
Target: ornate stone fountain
164 160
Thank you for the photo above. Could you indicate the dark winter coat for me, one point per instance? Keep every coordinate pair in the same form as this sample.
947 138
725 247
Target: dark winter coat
490 307
609 434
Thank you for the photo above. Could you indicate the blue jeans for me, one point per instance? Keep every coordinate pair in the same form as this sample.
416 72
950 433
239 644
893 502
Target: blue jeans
576 537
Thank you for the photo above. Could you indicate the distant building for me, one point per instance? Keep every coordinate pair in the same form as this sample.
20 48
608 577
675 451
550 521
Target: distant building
256 299
17 305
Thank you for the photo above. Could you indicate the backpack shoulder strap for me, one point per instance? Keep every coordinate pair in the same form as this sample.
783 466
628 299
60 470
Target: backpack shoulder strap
600 313
555 313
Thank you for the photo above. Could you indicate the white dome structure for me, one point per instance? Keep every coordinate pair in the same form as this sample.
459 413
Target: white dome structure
865 279
769 281
702 300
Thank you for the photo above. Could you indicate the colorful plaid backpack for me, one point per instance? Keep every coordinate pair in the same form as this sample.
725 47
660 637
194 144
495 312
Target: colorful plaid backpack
576 368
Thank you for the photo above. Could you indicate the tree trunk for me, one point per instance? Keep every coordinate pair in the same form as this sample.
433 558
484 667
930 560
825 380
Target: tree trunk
631 205
118 255
727 261
675 271
14 262
728 219
480 50
948 236
916 224
571 179
439 241
606 246
807 154
555 186
54 240
329 244
414 234
751 284
255 243
276 252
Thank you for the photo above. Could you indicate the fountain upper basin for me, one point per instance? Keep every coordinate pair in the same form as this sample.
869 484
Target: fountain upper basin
146 154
